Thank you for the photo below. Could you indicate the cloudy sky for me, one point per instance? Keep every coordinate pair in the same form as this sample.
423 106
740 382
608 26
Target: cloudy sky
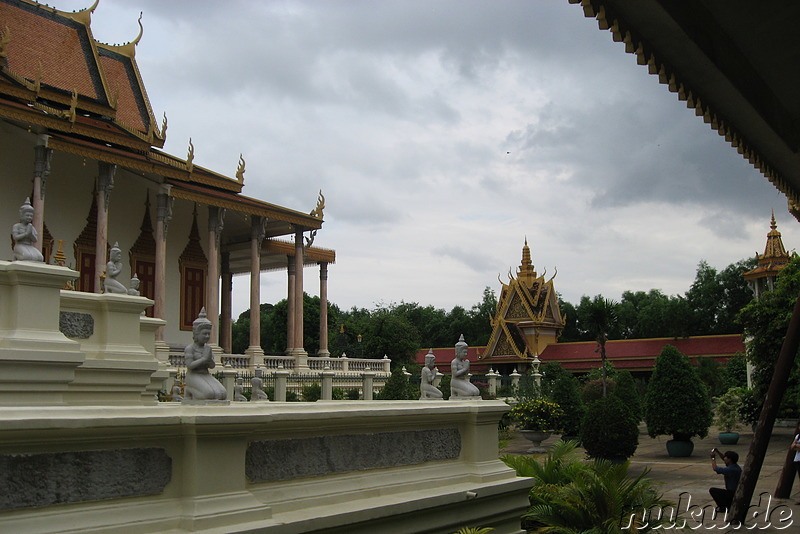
442 133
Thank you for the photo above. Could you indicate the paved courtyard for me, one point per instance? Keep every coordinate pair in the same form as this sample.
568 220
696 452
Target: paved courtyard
685 481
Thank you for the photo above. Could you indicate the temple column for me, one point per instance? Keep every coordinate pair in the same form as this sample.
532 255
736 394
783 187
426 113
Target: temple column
105 183
323 310
163 216
290 302
41 170
298 303
225 326
215 223
258 230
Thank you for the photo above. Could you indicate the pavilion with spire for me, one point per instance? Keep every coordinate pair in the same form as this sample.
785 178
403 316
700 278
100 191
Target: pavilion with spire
770 264
527 318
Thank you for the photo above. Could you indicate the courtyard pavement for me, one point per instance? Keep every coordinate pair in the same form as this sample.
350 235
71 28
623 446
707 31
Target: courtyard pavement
684 478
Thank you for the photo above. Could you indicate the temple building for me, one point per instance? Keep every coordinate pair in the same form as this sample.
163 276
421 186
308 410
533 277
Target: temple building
79 138
527 319
528 322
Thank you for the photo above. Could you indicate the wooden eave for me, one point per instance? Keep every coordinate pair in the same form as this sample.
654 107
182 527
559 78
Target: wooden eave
243 204
731 62
83 126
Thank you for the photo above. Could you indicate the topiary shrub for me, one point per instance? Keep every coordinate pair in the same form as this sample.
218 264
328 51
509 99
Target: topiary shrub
593 390
608 430
677 402
626 392
563 389
311 392
397 387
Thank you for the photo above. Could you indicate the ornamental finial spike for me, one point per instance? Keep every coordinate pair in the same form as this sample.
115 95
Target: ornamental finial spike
240 170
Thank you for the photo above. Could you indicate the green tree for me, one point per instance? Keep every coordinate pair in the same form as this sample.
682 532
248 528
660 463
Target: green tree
563 388
397 387
626 392
599 318
765 321
609 430
677 401
570 315
735 374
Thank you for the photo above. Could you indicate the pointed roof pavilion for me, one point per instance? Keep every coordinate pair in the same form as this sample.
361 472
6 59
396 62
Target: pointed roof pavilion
770 264
528 317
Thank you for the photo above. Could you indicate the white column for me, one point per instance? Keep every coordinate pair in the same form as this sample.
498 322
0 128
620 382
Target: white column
257 233
298 291
105 183
216 217
290 303
163 216
41 170
323 310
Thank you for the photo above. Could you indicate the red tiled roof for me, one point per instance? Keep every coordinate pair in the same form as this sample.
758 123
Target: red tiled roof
117 70
62 46
633 354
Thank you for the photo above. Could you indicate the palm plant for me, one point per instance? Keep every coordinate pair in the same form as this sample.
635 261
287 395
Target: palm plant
600 500
600 318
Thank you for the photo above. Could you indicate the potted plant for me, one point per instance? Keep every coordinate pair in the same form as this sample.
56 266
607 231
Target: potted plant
537 419
677 402
727 416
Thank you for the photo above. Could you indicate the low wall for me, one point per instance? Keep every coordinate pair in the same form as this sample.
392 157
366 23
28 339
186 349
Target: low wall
390 466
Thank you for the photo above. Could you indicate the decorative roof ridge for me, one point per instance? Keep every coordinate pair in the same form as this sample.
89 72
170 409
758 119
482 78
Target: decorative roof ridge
84 16
126 49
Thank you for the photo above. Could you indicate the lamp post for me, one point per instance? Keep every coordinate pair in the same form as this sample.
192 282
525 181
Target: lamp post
360 351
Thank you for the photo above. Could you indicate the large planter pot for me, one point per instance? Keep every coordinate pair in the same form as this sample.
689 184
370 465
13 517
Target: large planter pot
679 448
536 437
728 438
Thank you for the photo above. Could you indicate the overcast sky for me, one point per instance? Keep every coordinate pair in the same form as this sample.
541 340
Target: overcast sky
442 133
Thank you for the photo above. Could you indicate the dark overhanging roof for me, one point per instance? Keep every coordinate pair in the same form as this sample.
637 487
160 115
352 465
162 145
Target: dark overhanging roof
733 61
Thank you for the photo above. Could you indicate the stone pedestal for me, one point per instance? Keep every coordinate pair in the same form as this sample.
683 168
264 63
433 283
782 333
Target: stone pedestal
37 361
117 369
148 327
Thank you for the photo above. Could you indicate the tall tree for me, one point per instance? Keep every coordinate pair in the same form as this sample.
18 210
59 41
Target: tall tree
600 318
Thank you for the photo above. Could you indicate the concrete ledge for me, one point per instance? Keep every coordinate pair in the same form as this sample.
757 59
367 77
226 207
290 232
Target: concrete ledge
209 491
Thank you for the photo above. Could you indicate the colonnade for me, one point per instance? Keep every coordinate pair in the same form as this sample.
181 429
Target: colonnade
219 280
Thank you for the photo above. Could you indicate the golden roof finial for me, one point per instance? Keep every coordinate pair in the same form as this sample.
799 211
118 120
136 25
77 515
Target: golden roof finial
5 38
317 211
164 127
190 157
59 257
240 170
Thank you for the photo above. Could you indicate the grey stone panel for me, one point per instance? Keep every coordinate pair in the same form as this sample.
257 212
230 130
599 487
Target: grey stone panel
76 325
28 480
282 459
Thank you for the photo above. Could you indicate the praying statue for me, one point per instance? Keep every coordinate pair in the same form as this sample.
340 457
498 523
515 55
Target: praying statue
257 392
135 282
198 358
238 390
24 235
460 385
113 268
428 375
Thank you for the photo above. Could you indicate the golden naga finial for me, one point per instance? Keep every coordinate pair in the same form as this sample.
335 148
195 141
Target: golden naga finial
141 30
190 156
37 83
317 212
5 38
71 113
113 98
552 277
240 170
164 127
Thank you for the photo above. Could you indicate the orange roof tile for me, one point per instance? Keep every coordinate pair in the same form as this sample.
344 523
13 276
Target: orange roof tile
63 47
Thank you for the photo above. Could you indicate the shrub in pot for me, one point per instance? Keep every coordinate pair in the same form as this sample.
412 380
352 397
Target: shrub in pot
609 430
564 389
727 415
627 393
677 402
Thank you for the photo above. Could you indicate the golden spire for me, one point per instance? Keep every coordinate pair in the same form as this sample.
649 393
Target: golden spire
240 170
774 248
526 269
